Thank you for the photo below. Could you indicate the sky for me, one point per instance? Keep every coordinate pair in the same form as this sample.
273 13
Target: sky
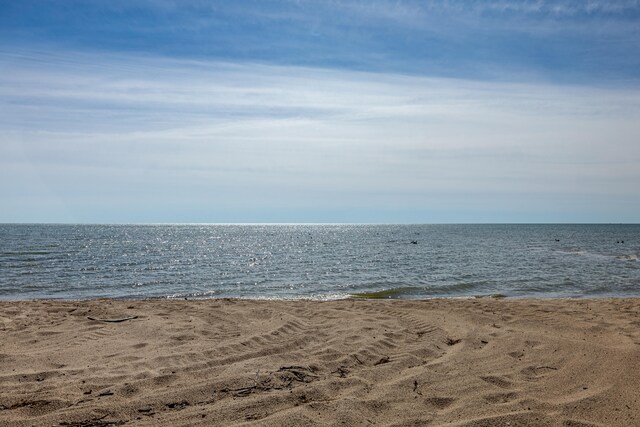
380 111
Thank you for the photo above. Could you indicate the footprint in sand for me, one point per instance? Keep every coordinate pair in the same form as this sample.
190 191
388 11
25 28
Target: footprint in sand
439 402
497 381
501 397
533 373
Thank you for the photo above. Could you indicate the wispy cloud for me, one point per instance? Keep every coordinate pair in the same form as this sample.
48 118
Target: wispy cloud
222 138
565 40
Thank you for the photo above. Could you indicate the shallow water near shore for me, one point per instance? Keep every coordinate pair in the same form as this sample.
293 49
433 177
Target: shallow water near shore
318 261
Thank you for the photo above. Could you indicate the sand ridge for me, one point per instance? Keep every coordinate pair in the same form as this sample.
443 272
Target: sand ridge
470 362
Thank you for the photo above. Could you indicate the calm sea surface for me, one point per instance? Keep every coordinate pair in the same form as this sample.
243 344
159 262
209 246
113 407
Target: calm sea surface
317 261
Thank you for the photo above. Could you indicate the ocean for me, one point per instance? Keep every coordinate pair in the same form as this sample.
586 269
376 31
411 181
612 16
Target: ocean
318 261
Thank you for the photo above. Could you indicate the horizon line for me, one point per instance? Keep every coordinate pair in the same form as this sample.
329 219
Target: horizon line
318 223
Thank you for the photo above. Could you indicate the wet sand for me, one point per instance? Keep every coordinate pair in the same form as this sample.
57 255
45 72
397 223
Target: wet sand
474 362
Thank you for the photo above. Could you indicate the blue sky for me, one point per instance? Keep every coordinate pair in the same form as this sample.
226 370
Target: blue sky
320 111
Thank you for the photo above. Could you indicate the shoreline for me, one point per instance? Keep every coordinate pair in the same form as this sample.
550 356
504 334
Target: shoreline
357 297
456 361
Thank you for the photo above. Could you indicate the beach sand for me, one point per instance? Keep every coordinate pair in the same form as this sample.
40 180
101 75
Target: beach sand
471 362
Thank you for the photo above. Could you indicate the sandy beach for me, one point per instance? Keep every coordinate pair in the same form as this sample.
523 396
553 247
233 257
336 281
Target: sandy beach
472 362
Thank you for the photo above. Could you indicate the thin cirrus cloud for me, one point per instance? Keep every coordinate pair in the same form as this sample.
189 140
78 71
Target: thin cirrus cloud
561 40
165 139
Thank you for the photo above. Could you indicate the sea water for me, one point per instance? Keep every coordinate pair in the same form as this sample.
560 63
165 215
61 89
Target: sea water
318 261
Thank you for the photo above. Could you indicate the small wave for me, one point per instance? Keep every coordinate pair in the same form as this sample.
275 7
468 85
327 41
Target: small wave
568 252
202 294
628 257
597 291
587 254
457 288
21 253
313 297
391 293
449 290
